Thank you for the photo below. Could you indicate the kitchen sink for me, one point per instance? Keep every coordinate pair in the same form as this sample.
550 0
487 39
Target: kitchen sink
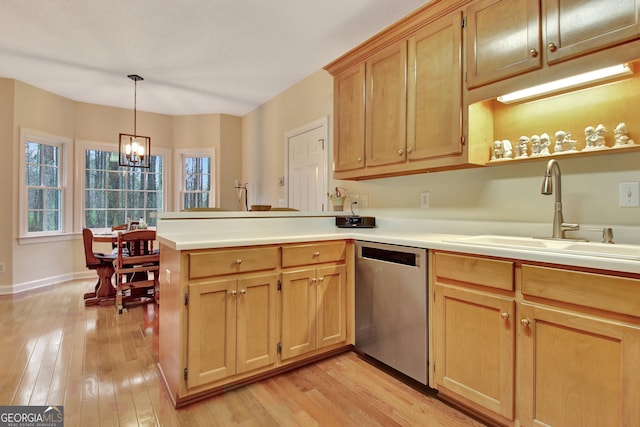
554 245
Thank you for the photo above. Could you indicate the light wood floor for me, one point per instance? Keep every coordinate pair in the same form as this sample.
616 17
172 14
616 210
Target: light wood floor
102 368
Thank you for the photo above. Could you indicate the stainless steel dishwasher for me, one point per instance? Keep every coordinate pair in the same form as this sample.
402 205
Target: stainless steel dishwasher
391 306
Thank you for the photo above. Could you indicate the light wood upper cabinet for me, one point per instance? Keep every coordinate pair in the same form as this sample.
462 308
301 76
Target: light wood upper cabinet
386 106
506 38
434 108
503 39
577 27
348 129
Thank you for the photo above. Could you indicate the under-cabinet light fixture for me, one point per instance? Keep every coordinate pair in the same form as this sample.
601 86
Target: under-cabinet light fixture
567 83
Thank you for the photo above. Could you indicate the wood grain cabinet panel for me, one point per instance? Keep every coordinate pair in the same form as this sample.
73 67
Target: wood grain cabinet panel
434 97
349 116
232 261
577 370
232 327
506 38
386 106
313 253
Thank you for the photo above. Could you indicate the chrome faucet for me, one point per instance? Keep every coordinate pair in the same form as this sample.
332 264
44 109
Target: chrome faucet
559 226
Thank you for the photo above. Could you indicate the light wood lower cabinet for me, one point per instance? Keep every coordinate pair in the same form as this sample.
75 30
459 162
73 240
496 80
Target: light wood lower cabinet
576 369
232 327
233 315
556 347
474 333
313 309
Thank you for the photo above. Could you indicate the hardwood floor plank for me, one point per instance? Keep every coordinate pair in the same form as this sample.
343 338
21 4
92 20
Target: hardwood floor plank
102 367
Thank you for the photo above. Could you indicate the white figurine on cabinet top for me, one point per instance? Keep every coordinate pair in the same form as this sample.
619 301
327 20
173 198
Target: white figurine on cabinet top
522 149
600 141
621 138
535 145
501 150
545 142
564 138
590 137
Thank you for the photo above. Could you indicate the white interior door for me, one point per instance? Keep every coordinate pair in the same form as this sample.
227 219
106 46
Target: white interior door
307 168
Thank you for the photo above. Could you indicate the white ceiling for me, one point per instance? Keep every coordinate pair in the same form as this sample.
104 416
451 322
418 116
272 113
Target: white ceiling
196 56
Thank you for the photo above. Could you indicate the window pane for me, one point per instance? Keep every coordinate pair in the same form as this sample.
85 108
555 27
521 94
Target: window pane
205 182
35 221
95 179
154 199
115 199
135 181
32 153
95 219
94 199
49 155
135 199
52 220
52 199
36 198
50 175
115 180
116 217
33 175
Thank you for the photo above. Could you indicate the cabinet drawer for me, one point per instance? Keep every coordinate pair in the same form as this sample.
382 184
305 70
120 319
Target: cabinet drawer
216 263
611 293
313 253
478 271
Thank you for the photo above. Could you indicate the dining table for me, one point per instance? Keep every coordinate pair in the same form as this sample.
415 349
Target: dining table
104 292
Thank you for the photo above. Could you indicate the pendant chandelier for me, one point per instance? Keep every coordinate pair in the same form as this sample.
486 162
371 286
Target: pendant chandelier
135 150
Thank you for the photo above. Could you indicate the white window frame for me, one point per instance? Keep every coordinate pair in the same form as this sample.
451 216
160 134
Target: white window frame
79 194
66 184
179 176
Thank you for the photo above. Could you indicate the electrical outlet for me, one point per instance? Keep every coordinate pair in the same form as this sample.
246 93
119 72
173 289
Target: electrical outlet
355 199
425 197
364 201
281 181
629 194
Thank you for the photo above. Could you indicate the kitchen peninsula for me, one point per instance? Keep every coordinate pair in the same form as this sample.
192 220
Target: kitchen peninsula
291 276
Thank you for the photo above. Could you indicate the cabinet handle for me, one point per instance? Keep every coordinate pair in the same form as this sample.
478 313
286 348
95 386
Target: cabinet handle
243 291
552 47
533 53
400 151
525 322
238 261
504 315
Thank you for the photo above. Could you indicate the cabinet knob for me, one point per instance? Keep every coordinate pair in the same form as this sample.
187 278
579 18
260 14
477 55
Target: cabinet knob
234 292
533 53
313 280
238 261
409 149
316 254
504 315
525 322
400 151
321 279
359 159
243 291
552 47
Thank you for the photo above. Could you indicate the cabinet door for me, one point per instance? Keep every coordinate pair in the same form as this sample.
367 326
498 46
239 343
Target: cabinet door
331 300
503 39
348 139
577 370
211 337
386 106
434 112
474 344
256 322
298 312
575 27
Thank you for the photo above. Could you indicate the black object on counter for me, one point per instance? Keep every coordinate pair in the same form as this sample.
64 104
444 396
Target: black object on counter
355 221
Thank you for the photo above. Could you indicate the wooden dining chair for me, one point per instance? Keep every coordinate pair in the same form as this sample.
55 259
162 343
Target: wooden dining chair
103 264
133 266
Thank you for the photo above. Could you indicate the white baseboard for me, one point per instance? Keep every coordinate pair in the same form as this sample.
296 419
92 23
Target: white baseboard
17 288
